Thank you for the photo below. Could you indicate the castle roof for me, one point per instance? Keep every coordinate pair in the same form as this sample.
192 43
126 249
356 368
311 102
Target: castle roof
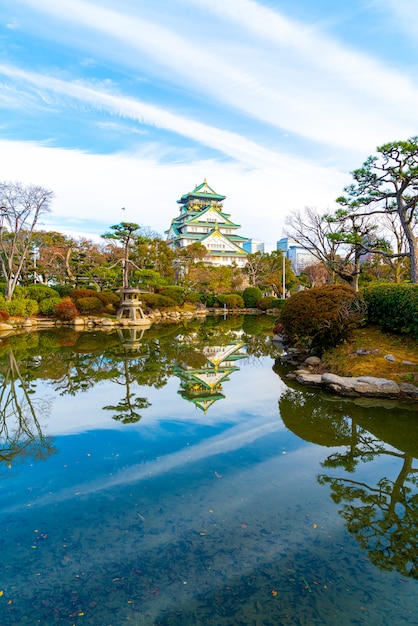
202 191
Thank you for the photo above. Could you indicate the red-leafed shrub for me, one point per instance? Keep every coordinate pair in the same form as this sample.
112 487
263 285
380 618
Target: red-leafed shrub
321 317
65 310
4 316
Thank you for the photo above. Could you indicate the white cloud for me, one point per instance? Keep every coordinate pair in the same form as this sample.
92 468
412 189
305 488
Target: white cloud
91 189
403 15
282 72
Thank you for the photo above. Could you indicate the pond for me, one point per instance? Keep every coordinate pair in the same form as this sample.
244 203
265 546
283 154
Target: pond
175 476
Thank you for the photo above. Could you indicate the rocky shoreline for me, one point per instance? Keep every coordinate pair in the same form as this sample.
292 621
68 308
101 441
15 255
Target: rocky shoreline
349 386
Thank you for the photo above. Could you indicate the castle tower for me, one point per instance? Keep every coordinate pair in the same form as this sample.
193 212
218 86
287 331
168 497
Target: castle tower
201 219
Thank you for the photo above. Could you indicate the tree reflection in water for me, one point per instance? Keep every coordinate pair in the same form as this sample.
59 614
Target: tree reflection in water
73 362
21 436
383 515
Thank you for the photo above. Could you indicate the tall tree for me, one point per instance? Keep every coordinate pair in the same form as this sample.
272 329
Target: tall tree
265 270
20 209
124 234
336 240
388 184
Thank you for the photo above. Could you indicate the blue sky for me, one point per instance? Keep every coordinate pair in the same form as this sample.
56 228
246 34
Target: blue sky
131 103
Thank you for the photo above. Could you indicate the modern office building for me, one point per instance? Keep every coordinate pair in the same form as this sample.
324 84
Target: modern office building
298 256
253 245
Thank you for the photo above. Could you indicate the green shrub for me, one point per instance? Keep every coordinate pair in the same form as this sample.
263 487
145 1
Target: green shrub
21 307
393 307
251 296
269 302
155 300
192 297
209 299
321 317
78 294
175 293
63 290
47 305
231 300
112 297
40 292
65 310
89 305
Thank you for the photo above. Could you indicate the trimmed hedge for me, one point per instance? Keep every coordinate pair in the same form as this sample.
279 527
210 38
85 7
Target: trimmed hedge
270 302
4 316
77 294
89 305
155 300
231 300
63 290
321 317
21 307
65 310
40 292
393 307
251 296
175 293
47 305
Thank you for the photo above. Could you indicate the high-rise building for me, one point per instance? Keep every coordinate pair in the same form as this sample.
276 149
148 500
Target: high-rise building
298 256
202 220
253 245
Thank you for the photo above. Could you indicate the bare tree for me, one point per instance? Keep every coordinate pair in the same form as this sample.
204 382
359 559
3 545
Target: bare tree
336 240
317 273
20 209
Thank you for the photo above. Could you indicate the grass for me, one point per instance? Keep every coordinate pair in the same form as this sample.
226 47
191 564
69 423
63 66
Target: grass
344 361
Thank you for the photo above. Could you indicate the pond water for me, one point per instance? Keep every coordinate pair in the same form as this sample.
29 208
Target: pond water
175 476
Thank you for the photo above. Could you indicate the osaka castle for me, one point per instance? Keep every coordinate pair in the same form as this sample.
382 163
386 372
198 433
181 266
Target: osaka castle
202 220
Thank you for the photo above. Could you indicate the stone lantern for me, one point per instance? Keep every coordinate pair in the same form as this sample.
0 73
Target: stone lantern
130 306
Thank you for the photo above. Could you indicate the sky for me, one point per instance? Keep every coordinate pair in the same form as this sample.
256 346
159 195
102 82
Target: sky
122 106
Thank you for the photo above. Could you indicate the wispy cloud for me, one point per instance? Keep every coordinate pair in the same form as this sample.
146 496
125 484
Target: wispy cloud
282 72
229 143
272 110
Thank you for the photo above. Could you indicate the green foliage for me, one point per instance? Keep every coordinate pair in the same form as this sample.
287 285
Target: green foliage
269 302
78 294
231 300
39 292
393 307
156 300
321 317
63 290
175 293
251 296
111 297
89 305
21 307
192 297
65 310
47 305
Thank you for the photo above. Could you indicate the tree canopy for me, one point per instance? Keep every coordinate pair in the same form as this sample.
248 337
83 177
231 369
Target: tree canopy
387 183
20 209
